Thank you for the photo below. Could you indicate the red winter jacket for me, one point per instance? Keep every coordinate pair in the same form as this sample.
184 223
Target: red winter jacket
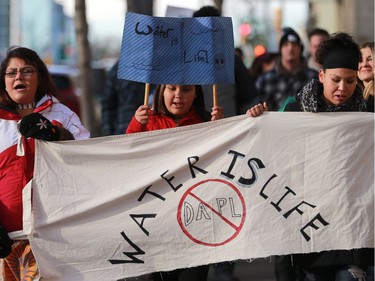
161 121
17 166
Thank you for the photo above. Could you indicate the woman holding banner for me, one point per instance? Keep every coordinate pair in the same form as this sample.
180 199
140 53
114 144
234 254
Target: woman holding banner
173 106
336 91
27 106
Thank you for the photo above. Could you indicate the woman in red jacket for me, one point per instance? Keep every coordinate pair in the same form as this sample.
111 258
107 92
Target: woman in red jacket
29 110
175 105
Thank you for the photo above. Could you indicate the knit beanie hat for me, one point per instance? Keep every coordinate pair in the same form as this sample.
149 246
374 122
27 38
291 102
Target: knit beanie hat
289 34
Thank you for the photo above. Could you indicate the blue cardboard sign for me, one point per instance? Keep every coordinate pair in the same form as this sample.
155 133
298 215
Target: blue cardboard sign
184 51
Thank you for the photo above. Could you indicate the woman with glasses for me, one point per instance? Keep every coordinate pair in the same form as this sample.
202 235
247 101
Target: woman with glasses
28 106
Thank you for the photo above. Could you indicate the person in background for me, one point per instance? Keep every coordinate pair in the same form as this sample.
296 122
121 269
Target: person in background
234 98
290 74
27 101
335 91
175 106
238 52
366 73
263 63
315 36
119 101
238 97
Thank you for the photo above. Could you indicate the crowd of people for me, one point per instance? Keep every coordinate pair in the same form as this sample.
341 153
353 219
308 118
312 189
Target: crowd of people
338 76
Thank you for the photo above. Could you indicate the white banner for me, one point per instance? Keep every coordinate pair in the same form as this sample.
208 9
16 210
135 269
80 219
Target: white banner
238 188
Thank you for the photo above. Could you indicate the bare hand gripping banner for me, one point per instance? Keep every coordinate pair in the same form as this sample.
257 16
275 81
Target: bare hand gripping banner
185 51
238 188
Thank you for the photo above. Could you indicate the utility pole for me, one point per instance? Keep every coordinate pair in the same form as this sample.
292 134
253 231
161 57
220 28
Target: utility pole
219 5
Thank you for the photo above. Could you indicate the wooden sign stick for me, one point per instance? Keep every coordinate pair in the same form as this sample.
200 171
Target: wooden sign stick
147 93
214 93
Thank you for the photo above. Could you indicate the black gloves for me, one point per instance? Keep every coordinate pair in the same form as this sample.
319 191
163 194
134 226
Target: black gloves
5 243
37 126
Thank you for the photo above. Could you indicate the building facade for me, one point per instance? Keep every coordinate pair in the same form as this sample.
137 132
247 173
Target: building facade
40 25
354 17
4 26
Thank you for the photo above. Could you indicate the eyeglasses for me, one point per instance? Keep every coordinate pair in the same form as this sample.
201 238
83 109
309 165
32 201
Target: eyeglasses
25 72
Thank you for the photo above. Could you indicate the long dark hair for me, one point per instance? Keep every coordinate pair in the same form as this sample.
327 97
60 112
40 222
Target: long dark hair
198 104
45 82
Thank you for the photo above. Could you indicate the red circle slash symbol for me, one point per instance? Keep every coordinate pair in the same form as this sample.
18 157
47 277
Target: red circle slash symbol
212 212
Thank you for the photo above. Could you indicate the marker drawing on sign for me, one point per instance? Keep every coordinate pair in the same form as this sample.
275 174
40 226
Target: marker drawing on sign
224 215
183 51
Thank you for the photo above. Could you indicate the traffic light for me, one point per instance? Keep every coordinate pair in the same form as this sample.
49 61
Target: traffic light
245 31
259 50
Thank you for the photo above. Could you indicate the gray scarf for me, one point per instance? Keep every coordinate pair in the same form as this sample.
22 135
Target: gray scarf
310 99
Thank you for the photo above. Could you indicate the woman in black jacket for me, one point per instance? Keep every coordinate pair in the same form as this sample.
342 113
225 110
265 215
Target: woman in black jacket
335 91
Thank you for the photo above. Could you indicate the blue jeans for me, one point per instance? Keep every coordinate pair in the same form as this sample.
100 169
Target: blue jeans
339 274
